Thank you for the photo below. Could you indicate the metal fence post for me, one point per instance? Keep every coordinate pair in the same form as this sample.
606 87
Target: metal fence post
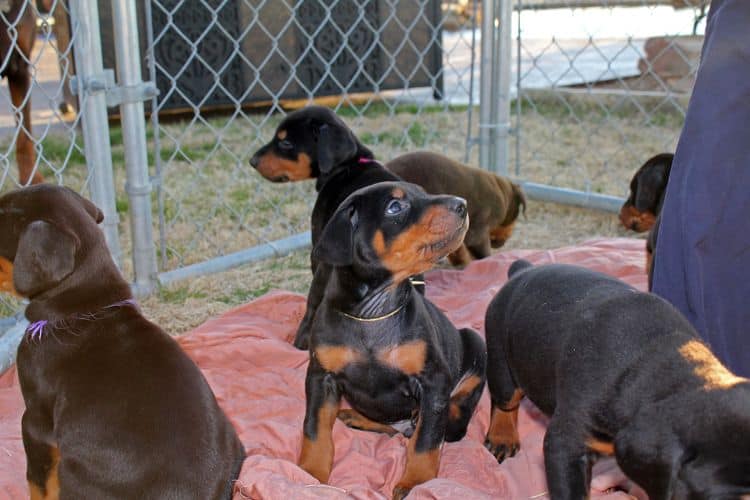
132 93
485 82
494 91
90 85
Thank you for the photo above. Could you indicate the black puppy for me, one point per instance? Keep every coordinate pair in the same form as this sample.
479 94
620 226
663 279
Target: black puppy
374 341
620 372
114 407
647 189
315 143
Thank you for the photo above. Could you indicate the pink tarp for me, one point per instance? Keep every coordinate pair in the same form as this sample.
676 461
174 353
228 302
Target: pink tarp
258 378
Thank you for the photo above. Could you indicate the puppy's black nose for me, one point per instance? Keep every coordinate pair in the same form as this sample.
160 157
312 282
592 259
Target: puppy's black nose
458 205
254 161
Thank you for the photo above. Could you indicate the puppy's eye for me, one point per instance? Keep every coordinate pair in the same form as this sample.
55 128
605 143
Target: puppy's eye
395 207
285 144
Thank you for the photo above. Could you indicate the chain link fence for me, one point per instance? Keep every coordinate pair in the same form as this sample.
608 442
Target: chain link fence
398 70
40 136
575 95
600 87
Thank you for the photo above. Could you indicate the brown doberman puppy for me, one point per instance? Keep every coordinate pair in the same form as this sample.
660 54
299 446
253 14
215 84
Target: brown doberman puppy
647 189
314 143
16 42
620 373
387 350
494 202
114 407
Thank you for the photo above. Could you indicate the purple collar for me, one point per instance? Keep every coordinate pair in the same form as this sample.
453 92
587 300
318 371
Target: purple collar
36 329
362 159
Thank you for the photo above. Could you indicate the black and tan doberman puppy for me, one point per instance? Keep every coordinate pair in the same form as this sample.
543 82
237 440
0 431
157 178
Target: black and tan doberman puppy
314 143
647 189
380 345
114 407
620 372
494 202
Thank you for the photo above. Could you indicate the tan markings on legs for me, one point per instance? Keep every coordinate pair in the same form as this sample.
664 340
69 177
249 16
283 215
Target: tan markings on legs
316 456
601 447
420 467
503 428
463 389
460 257
707 367
52 484
272 167
6 277
356 420
408 358
25 154
335 358
436 234
281 134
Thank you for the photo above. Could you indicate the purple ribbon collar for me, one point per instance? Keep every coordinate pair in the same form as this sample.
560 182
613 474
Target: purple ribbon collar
36 329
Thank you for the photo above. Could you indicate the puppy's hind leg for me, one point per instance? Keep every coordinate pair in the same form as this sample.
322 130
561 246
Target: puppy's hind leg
502 436
466 394
567 460
314 298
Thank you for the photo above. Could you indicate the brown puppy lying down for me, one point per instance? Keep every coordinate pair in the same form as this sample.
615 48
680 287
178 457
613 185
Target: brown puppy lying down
493 201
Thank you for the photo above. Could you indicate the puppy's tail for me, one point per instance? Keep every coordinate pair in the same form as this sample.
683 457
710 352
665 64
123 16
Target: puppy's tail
518 266
517 204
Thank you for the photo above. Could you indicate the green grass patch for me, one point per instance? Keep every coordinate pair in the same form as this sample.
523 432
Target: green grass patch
179 294
242 295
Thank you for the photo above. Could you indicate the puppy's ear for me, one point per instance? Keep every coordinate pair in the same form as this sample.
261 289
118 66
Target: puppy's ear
335 145
90 208
336 244
45 256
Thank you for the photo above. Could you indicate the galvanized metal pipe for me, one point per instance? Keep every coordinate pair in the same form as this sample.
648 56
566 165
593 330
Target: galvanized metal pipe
138 185
485 83
93 108
544 192
502 61
277 248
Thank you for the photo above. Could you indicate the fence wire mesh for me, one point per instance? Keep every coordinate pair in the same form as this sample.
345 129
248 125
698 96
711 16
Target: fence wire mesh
600 89
397 70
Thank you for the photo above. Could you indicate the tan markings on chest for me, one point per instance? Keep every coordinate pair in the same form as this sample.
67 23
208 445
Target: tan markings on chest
334 358
707 367
409 357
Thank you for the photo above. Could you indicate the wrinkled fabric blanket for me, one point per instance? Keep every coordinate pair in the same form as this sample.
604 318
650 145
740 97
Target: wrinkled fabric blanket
258 377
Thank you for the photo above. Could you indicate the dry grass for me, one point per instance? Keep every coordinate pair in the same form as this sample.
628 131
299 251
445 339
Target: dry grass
182 306
215 203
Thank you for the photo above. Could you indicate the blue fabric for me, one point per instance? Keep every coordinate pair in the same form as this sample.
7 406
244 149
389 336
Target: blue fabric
703 246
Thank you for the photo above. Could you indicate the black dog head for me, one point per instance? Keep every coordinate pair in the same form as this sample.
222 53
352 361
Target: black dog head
392 230
310 142
46 232
718 464
647 189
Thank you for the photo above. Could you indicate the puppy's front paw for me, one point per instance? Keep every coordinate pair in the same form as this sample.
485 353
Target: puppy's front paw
400 492
302 340
502 450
